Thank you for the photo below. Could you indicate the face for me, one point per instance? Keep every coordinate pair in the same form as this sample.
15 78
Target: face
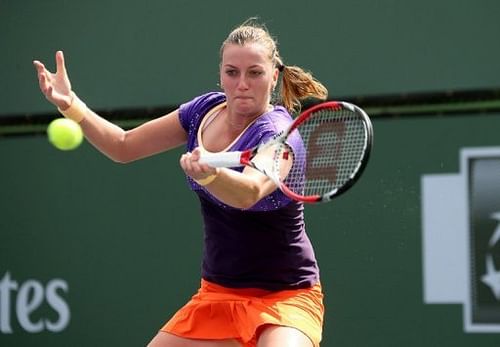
247 76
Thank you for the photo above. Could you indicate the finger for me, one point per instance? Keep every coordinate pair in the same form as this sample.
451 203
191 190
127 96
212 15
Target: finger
61 66
194 166
195 159
40 68
198 169
50 92
196 154
38 65
205 168
42 82
189 164
185 163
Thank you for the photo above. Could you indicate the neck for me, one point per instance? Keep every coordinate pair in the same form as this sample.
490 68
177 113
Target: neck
238 122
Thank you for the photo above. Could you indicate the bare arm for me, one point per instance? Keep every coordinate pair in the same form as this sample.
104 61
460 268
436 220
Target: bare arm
152 137
155 136
237 189
241 190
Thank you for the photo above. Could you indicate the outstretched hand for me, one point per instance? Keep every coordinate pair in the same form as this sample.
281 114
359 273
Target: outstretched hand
55 86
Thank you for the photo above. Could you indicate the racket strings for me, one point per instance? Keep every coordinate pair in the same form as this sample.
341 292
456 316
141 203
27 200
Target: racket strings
334 141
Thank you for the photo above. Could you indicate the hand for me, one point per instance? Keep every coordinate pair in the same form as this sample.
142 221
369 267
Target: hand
55 86
193 168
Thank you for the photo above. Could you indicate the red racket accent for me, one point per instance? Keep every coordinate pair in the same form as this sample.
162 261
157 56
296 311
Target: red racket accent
298 197
245 158
333 105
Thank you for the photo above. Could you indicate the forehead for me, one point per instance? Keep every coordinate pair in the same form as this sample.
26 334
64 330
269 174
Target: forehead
255 53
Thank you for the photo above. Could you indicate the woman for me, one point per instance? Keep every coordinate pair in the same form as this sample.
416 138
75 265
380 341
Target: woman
260 281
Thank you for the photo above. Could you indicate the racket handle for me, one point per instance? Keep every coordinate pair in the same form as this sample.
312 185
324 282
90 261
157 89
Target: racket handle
225 159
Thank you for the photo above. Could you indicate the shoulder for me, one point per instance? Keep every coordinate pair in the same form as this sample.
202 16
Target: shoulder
277 117
205 100
273 122
196 108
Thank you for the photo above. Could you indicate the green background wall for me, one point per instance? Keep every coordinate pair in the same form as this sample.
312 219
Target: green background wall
127 238
149 53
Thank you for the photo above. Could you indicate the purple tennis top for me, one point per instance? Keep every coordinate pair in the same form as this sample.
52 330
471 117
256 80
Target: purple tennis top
265 246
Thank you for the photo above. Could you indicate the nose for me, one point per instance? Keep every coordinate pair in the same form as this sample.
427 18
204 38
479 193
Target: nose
242 83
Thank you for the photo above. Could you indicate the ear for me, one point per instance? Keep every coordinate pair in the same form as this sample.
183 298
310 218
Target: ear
221 85
276 75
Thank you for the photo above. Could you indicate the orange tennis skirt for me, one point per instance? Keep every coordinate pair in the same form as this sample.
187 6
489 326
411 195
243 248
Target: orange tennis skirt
217 312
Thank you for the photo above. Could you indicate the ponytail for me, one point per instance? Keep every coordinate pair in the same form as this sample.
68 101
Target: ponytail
297 85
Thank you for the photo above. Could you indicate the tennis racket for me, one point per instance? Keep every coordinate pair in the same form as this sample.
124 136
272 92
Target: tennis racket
318 157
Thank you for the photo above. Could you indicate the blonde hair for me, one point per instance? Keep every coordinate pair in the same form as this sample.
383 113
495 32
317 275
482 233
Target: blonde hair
297 84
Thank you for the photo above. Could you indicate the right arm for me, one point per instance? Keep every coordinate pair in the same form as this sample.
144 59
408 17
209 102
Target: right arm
155 136
122 146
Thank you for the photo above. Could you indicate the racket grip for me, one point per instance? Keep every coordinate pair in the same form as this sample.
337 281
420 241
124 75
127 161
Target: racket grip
225 159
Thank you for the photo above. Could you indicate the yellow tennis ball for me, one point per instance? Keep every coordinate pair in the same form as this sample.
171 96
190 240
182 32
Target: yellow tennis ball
65 134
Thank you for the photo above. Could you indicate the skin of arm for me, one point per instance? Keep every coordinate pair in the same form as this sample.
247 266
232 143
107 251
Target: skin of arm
241 190
155 136
237 189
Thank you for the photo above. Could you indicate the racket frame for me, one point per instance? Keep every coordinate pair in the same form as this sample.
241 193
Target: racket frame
361 165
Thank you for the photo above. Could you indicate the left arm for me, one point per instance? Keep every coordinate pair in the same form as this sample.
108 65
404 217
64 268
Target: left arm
237 189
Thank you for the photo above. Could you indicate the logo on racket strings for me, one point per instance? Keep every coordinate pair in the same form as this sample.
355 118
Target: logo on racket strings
325 141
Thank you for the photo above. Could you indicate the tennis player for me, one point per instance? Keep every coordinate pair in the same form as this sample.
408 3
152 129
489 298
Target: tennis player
260 282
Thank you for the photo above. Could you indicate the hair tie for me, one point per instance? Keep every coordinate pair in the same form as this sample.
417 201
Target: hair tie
281 67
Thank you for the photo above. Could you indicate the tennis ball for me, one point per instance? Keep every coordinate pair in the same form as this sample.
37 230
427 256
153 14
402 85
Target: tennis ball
65 134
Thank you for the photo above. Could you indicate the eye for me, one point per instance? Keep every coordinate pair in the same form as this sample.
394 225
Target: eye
231 72
256 72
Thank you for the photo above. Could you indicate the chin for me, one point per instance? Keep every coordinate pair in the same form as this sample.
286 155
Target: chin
243 105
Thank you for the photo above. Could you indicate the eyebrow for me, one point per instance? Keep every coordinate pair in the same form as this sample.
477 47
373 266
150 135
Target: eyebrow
250 67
